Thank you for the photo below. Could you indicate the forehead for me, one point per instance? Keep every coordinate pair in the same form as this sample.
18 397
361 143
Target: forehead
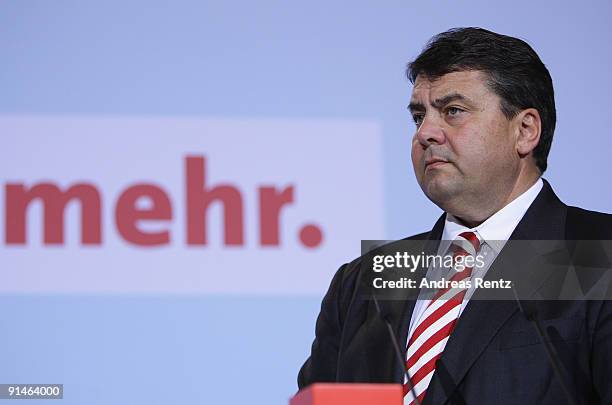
472 84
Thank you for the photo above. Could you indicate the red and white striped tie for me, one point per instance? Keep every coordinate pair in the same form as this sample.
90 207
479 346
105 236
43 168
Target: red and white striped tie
436 324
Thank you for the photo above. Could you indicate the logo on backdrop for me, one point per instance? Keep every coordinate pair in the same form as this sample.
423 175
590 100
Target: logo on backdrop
199 194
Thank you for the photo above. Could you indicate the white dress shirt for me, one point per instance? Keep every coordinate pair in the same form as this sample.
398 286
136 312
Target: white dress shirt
493 234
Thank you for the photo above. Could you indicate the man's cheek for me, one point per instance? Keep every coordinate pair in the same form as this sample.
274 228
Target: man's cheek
417 166
417 157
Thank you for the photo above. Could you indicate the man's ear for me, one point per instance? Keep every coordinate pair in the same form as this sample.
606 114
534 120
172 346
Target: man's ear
529 130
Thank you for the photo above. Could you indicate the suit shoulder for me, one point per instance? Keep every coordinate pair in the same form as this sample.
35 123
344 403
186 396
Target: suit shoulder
584 224
418 236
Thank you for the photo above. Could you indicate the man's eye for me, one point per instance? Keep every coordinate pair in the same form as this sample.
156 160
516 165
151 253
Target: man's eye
418 119
453 111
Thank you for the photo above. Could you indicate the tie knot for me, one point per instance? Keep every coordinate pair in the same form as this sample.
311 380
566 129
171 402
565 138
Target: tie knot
467 242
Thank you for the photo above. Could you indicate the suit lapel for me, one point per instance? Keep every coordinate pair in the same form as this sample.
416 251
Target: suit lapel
400 311
382 359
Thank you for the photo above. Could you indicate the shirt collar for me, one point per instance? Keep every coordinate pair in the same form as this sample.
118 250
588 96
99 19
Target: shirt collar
496 230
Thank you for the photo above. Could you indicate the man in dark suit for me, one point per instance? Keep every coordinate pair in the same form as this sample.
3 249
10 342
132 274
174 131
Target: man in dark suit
483 105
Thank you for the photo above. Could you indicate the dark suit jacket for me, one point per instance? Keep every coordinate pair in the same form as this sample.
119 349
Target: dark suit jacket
494 355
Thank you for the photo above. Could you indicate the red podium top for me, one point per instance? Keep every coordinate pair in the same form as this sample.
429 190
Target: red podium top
349 394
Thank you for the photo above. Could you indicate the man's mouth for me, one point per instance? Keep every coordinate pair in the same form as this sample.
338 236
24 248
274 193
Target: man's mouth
432 163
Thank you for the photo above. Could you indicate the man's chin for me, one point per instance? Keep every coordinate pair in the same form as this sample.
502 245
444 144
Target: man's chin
440 192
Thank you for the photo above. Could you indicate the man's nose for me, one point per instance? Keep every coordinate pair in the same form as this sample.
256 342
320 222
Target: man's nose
430 132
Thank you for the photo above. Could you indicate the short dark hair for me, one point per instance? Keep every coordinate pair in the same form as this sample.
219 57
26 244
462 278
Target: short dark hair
516 74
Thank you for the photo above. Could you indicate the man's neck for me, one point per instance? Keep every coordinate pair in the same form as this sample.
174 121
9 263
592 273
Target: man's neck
520 187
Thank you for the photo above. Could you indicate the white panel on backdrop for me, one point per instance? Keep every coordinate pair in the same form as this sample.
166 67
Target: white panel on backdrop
176 205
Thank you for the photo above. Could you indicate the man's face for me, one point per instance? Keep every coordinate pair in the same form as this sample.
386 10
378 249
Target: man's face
463 151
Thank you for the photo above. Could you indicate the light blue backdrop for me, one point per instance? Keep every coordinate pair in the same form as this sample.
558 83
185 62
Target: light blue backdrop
318 59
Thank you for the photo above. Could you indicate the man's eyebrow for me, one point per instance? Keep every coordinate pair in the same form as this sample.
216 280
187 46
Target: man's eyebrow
416 106
442 101
439 102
